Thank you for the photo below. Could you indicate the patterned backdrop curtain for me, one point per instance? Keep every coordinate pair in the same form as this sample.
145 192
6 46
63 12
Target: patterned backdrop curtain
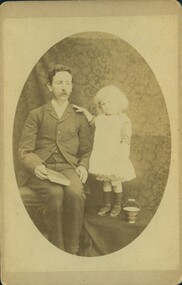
100 59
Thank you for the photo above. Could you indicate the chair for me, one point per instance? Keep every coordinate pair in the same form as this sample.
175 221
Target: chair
34 206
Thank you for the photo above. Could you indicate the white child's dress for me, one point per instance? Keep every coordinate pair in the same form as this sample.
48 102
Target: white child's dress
109 159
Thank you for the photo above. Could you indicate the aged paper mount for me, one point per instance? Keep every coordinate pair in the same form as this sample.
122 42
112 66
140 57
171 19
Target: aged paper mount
29 29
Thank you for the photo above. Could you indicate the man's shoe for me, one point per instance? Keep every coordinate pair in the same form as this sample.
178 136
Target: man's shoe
116 210
104 210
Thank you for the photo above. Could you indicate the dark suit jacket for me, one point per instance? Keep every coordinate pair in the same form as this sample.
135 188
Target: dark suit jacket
44 132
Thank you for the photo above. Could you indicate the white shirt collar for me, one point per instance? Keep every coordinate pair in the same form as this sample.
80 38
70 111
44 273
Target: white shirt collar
59 109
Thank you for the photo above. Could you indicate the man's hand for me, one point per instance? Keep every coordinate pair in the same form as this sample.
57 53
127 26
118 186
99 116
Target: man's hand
82 172
41 171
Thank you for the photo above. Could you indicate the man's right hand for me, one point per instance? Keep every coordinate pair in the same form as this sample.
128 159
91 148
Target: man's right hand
41 171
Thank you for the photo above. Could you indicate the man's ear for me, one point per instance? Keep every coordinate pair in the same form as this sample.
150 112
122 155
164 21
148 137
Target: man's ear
49 87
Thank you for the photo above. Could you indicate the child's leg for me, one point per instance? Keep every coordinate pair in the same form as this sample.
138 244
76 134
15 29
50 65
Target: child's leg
107 188
117 188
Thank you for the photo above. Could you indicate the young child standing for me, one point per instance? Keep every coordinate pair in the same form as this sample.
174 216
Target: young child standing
109 161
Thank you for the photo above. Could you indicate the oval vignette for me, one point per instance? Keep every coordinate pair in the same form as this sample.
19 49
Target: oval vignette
99 59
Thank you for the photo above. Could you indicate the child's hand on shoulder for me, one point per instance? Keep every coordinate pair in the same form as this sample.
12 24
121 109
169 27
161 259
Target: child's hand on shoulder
78 108
87 114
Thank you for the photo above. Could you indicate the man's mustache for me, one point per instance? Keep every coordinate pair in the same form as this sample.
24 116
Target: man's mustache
63 93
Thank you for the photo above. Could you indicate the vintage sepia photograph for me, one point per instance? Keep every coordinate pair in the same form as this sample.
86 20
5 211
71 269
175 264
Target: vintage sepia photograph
92 110
91 176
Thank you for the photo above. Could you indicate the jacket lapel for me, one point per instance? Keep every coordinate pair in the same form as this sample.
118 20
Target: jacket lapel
50 109
68 111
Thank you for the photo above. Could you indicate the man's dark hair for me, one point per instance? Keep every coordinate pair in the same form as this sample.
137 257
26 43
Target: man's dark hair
58 68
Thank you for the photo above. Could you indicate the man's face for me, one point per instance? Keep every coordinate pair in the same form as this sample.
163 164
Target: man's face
61 86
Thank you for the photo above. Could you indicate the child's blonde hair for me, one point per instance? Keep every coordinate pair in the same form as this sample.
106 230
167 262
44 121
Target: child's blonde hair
111 92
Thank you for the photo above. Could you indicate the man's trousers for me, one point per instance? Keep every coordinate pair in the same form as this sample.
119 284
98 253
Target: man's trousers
64 208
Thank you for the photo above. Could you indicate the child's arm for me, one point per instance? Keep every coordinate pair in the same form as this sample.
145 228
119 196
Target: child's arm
126 137
88 115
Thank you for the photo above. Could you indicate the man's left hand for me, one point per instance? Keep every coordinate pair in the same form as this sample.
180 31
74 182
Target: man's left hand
82 172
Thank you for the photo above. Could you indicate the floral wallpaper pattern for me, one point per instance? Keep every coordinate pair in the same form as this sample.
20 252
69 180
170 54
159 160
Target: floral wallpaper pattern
98 59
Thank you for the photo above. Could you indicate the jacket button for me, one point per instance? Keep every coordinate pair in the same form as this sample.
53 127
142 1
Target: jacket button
56 151
59 132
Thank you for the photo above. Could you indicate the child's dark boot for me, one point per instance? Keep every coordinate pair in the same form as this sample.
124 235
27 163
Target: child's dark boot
107 205
116 210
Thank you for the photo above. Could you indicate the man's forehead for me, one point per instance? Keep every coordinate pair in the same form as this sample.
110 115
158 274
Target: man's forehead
63 75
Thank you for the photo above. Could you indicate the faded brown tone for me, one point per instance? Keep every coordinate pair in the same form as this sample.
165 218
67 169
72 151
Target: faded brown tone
99 59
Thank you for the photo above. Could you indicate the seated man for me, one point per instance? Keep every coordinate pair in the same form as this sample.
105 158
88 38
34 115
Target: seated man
58 138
